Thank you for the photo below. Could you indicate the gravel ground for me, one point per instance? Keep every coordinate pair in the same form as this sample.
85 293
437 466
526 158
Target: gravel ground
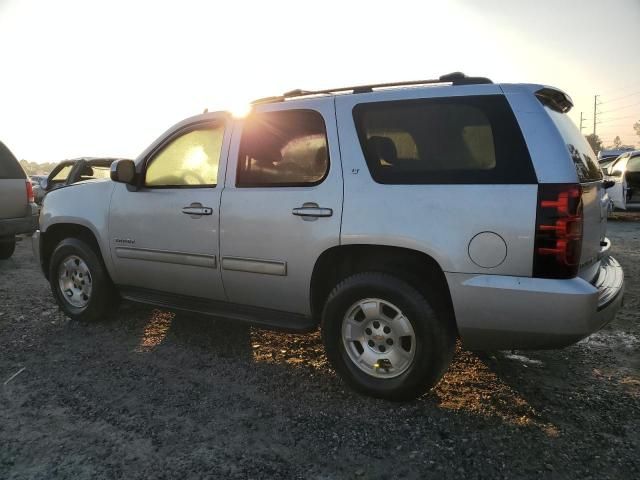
154 394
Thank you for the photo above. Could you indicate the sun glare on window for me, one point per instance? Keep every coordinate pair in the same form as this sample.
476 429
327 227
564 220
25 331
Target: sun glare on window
195 158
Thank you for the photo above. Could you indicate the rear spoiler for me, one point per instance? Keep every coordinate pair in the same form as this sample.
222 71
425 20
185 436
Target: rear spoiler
554 99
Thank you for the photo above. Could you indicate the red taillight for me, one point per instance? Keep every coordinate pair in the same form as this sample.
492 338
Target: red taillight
558 243
30 197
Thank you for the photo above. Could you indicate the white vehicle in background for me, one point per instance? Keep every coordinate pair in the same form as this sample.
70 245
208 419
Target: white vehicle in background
625 172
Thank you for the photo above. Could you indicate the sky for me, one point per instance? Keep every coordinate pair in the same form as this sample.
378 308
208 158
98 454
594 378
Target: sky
106 78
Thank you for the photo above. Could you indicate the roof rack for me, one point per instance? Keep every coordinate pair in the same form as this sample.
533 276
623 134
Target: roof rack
455 78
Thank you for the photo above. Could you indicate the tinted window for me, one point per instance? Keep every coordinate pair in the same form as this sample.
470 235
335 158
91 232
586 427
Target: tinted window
191 159
472 139
9 166
580 151
287 148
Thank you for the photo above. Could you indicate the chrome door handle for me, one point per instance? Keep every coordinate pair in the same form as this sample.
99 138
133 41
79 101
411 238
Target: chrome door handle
196 209
312 210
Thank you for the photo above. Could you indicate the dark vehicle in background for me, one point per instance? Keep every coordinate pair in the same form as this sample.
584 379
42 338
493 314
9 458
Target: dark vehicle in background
77 170
18 212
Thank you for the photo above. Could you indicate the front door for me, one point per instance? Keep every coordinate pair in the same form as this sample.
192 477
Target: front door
164 235
282 203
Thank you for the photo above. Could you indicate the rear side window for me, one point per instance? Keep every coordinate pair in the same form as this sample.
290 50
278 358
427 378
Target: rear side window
283 149
584 160
454 140
9 166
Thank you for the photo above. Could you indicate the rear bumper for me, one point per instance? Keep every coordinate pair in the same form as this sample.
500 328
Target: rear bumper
501 312
16 226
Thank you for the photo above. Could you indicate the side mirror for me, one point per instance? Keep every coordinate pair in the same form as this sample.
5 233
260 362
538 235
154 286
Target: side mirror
123 171
608 184
44 184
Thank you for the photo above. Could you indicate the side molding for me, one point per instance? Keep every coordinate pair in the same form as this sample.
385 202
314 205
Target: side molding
165 256
253 265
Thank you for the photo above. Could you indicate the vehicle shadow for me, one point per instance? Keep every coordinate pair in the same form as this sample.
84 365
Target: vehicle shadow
158 328
520 390
589 378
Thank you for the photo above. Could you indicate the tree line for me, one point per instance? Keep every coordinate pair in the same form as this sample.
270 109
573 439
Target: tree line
596 142
33 168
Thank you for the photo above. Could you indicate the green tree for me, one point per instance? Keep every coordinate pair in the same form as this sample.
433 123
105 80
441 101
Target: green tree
594 141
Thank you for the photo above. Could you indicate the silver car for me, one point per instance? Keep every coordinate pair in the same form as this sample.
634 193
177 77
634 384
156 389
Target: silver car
395 219
18 212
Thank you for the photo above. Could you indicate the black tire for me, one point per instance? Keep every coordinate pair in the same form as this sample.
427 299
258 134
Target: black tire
7 246
103 297
435 336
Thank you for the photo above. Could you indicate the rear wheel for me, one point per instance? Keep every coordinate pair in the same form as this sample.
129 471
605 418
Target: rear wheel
7 246
385 338
79 281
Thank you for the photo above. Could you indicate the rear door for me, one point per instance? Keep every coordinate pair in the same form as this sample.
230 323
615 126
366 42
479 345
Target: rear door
282 203
594 197
13 190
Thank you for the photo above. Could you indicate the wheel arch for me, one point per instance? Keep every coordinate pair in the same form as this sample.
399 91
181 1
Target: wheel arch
417 268
57 232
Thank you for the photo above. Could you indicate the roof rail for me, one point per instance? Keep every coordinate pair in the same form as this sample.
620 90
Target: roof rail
455 78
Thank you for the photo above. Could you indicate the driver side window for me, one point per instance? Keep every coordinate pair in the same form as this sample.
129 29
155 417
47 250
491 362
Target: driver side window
189 160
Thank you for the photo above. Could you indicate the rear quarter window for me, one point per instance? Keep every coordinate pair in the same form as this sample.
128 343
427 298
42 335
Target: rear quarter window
9 166
452 140
582 155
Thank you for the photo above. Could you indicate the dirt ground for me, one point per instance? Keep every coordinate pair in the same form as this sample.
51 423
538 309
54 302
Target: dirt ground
153 394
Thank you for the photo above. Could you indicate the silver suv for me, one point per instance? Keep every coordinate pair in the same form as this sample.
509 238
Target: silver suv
18 212
396 219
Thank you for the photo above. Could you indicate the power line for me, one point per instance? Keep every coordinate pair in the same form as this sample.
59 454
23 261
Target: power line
620 118
622 97
621 108
626 87
622 121
615 126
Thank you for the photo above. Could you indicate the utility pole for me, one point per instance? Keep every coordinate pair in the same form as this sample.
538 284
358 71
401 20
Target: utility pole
581 122
595 113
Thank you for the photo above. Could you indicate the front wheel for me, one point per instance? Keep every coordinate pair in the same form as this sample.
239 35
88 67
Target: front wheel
385 338
7 246
79 281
